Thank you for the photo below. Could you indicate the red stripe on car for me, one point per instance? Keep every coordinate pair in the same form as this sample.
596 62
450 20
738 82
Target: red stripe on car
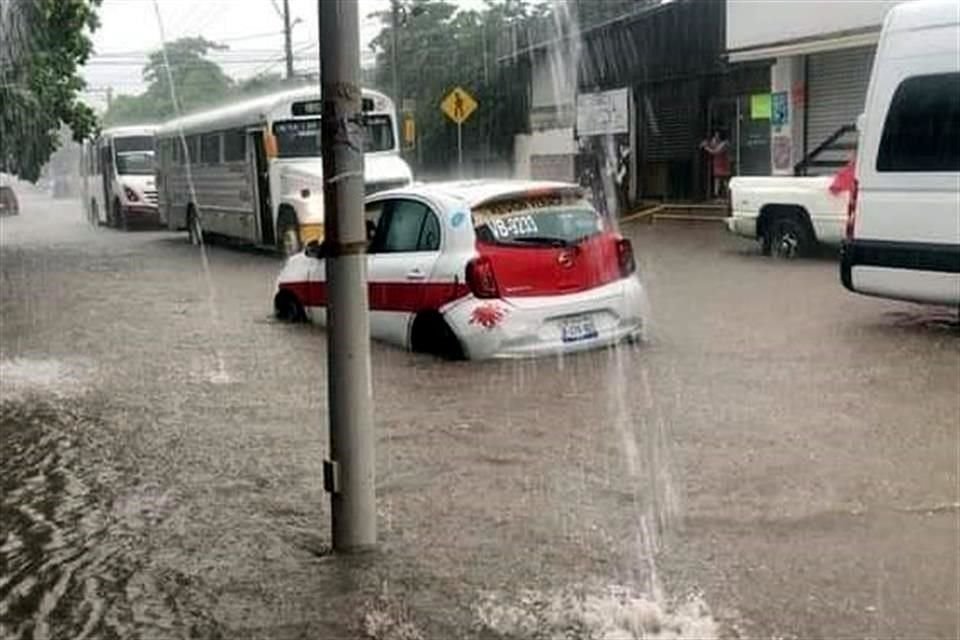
386 296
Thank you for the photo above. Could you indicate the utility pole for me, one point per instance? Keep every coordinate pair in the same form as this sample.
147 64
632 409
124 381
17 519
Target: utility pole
349 473
394 47
288 38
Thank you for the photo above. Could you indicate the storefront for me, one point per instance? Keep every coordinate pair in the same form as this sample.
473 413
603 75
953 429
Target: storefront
821 54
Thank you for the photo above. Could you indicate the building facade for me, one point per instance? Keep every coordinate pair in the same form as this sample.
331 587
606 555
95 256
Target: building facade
820 54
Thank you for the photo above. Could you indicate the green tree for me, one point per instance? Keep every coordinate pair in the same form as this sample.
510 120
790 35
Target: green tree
42 45
438 48
197 80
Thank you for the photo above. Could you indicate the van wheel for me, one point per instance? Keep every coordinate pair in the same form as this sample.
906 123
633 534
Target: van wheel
787 238
288 234
431 334
194 230
286 307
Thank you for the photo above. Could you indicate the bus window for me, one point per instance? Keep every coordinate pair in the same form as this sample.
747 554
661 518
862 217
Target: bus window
377 133
297 138
193 149
210 148
233 145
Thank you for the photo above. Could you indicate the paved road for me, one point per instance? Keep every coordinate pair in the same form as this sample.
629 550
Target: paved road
779 460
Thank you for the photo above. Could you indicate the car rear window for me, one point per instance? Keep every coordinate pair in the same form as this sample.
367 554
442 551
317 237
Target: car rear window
550 221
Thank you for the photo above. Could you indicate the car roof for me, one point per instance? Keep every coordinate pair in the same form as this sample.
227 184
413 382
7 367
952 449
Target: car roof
475 192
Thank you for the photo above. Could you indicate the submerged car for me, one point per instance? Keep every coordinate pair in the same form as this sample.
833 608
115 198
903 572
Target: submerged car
484 269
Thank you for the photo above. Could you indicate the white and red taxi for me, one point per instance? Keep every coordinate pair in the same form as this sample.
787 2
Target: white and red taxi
484 269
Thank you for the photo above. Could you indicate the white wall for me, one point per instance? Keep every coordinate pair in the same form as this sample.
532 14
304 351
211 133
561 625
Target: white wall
752 23
552 80
540 144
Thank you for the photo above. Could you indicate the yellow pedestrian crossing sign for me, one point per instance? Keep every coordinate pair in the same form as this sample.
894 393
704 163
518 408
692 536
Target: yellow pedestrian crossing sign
458 105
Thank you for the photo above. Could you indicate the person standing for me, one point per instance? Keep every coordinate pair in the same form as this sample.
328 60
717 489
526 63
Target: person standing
719 150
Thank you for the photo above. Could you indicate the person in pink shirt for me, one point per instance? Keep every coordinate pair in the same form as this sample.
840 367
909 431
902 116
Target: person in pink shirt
719 150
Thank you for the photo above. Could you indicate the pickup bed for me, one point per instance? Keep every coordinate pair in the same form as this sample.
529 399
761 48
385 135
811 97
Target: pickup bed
788 215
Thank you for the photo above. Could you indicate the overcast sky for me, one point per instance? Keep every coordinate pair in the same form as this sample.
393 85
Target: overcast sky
253 29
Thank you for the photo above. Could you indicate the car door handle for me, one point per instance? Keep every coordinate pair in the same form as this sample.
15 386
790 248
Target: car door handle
416 274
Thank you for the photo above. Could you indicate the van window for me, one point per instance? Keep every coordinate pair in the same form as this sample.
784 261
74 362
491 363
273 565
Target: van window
922 131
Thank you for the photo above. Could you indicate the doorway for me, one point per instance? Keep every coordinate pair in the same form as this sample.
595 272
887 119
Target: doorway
257 160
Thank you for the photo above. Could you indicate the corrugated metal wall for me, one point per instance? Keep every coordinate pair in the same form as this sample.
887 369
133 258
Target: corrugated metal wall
836 90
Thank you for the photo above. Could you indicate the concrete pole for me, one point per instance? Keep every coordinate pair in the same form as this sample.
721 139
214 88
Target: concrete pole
288 38
394 51
349 474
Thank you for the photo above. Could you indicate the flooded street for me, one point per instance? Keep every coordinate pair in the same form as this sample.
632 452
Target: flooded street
778 459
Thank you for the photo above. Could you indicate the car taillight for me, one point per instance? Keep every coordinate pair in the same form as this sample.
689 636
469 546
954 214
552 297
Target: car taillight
131 194
852 208
480 278
625 257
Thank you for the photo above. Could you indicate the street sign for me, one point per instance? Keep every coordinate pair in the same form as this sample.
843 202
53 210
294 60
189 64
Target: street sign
458 105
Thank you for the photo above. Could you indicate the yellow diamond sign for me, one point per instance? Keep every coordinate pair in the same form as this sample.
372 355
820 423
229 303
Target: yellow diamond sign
458 105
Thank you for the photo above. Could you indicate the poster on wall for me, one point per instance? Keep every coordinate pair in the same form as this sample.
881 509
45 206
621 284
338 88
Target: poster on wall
760 106
603 113
782 153
779 109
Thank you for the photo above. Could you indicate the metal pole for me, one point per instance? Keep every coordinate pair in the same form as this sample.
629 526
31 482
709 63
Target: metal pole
460 148
349 473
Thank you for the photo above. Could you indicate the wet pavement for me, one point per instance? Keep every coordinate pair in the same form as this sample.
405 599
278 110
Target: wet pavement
779 459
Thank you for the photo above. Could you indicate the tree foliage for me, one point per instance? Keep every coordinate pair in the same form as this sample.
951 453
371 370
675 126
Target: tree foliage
42 45
197 82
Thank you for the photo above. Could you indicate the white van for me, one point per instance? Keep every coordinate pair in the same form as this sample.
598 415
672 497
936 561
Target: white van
117 171
903 226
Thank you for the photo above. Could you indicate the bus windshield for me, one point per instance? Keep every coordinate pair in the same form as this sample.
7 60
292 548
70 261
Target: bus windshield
135 163
301 138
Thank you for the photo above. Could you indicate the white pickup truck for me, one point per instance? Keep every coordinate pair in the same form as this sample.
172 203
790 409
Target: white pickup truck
788 215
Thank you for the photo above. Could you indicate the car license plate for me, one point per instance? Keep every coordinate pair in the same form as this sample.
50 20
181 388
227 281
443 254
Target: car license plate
578 329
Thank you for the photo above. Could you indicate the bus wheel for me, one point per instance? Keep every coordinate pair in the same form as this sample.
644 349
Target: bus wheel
194 230
288 234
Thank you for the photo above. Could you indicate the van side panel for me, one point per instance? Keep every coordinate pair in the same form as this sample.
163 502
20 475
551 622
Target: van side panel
912 209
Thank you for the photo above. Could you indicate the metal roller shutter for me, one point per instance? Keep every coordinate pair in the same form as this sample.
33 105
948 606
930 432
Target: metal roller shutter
836 90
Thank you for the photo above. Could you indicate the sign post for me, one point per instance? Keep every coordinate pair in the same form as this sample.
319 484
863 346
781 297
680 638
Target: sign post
458 106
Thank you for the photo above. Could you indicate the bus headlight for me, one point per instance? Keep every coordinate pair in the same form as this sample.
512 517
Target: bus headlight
130 194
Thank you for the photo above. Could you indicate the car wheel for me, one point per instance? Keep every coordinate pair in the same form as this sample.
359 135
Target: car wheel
431 334
287 308
194 230
288 235
787 238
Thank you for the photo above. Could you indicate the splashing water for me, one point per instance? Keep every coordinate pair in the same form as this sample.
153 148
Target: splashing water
220 375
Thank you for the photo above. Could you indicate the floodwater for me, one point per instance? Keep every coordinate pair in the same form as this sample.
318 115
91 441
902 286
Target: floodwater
752 470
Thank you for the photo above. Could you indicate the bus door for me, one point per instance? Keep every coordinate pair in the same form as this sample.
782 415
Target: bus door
257 161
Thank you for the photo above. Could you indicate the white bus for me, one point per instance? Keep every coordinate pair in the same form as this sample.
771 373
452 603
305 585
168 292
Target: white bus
118 182
256 171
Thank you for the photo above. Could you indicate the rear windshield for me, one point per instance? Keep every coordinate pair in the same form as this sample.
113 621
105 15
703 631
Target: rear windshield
537 222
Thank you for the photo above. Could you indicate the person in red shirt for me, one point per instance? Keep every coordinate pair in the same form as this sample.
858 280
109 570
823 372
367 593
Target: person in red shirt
719 150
